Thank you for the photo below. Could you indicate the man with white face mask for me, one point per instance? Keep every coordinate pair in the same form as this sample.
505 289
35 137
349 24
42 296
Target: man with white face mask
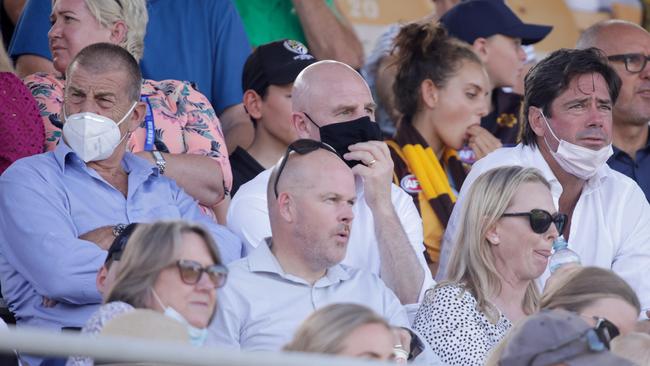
62 210
567 134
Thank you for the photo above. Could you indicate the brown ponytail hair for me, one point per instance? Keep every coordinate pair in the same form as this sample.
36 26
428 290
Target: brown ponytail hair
425 51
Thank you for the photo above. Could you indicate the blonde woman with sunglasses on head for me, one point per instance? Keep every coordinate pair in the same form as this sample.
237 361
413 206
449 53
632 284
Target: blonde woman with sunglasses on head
170 267
508 225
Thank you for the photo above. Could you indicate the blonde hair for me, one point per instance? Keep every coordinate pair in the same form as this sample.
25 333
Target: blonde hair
134 15
325 330
634 347
5 62
472 263
150 249
575 290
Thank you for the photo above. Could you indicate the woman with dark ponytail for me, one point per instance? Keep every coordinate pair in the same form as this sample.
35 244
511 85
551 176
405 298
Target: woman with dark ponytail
441 91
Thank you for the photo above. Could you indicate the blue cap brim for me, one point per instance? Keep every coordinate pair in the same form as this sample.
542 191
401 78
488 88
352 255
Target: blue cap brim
529 33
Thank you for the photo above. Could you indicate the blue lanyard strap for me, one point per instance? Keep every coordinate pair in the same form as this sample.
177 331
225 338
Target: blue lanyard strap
149 125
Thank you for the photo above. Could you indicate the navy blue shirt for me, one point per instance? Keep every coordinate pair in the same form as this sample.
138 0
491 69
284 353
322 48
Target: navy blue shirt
637 169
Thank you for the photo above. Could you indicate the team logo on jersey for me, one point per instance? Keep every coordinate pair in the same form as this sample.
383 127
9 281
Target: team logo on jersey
410 184
298 48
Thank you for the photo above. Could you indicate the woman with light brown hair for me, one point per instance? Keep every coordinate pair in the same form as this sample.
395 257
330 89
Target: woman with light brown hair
344 329
598 294
171 267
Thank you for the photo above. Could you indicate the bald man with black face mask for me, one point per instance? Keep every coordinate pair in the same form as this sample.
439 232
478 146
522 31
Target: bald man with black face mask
332 103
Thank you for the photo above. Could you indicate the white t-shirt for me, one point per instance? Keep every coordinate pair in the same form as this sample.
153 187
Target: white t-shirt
248 217
610 227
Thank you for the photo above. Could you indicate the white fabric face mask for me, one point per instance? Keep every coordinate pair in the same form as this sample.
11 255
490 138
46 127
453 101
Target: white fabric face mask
91 136
197 335
575 159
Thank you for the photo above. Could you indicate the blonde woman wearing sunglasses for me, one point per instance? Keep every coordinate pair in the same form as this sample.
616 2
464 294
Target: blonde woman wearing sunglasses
170 267
507 228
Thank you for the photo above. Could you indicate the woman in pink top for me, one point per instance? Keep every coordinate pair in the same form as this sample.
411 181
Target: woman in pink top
180 121
21 130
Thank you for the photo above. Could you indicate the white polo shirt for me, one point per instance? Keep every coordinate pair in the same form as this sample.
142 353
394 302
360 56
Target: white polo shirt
610 227
248 217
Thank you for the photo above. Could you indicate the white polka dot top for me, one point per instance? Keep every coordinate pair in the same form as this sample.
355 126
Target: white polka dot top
457 332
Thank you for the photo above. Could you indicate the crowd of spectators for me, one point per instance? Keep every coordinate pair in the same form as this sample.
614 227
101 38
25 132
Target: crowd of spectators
226 182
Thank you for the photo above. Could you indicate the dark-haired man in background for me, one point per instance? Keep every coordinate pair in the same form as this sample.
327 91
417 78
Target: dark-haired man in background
568 136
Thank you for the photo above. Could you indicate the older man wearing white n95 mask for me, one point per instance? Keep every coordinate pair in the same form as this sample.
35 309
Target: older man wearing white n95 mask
62 210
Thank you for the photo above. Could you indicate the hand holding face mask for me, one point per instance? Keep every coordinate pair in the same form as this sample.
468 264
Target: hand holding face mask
91 136
343 134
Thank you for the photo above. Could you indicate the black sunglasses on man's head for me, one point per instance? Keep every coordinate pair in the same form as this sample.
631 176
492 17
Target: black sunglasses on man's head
302 147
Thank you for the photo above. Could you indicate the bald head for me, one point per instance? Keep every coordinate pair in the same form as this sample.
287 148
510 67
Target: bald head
328 92
630 46
303 173
316 79
312 213
606 34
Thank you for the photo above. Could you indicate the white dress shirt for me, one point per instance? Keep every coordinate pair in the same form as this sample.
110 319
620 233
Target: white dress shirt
610 227
248 218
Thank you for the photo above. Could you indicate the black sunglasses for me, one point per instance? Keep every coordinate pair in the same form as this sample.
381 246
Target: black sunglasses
634 62
302 147
605 330
540 220
191 272
119 244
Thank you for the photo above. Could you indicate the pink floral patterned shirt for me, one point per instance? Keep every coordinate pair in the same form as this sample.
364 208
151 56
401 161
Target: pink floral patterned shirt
184 121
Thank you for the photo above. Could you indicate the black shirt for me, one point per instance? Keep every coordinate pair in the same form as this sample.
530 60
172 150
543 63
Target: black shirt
244 168
504 122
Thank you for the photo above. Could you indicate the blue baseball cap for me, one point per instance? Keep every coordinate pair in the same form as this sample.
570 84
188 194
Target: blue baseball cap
484 18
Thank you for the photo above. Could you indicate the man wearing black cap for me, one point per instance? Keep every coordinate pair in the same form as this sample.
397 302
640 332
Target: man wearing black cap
267 80
496 35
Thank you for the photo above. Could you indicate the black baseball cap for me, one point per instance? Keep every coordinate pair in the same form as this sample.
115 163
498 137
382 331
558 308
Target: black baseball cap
484 18
275 63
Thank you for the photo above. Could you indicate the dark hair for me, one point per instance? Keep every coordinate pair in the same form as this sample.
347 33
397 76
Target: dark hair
552 76
117 247
425 51
102 57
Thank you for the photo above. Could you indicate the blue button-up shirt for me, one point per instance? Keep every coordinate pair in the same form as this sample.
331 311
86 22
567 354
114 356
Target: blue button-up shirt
47 201
637 169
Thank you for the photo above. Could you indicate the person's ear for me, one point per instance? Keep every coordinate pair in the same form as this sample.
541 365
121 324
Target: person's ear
492 235
302 126
286 207
429 93
481 48
118 32
536 121
100 280
137 116
253 104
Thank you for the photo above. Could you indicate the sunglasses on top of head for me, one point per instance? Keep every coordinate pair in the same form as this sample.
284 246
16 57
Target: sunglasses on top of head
302 147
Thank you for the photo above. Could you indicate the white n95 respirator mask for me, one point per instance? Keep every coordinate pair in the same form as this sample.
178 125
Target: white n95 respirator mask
92 136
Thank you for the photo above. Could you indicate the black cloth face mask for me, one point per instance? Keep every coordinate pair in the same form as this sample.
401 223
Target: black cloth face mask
343 134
